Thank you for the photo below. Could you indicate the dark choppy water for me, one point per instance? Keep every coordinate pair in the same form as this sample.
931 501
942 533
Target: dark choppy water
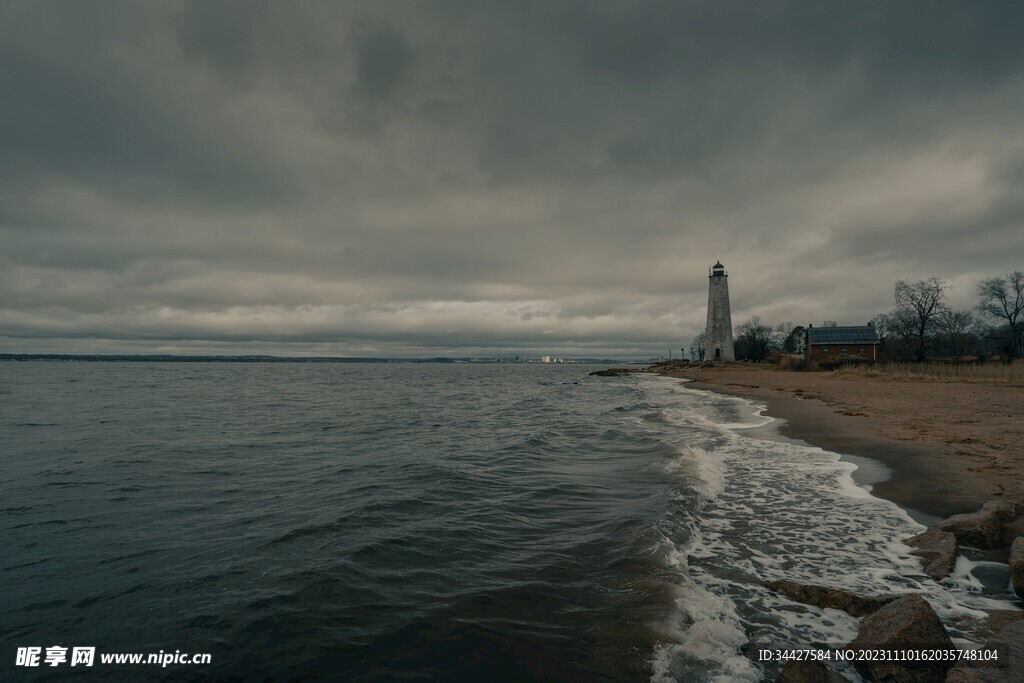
433 522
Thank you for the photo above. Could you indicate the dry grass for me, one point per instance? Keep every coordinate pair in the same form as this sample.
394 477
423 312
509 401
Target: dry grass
942 372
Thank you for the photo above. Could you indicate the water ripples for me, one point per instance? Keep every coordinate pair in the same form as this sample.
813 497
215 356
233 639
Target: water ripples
448 522
366 522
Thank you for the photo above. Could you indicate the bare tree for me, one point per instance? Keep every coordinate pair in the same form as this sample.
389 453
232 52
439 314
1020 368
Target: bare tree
882 323
754 340
904 326
956 325
896 332
888 330
699 344
989 340
1003 298
920 302
830 323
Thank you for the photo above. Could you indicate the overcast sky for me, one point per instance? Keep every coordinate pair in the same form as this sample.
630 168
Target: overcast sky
471 177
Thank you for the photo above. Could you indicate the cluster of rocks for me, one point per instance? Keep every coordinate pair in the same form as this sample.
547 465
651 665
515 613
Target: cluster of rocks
661 368
987 529
902 624
617 372
908 622
658 368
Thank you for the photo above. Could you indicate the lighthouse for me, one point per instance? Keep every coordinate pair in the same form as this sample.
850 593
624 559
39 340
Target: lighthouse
719 347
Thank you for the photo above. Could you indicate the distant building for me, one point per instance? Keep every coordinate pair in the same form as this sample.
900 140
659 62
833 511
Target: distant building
851 343
719 346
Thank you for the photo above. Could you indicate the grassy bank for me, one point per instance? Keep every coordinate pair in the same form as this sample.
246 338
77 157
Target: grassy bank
941 372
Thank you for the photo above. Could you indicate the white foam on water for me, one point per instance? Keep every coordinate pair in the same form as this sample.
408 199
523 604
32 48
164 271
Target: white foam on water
704 637
962 576
682 417
703 473
968 588
780 510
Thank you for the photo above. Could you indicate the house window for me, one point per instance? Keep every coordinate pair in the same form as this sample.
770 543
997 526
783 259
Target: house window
861 351
824 350
842 350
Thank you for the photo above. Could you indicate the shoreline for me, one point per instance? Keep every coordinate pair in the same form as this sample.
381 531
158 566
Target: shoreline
815 426
935 468
917 476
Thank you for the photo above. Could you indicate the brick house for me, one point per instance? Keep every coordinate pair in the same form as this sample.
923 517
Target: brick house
850 343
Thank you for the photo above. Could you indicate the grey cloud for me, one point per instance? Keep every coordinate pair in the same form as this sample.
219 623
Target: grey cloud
493 175
222 33
62 123
244 40
932 43
383 59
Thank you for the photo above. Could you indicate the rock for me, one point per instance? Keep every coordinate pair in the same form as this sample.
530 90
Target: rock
614 372
937 549
981 529
981 630
820 596
1017 566
1014 528
904 624
807 671
998 619
1008 669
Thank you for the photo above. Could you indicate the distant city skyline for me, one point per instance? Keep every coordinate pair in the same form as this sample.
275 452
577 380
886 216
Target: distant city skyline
493 179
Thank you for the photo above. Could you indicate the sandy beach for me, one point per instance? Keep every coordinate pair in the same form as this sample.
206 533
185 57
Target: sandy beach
951 445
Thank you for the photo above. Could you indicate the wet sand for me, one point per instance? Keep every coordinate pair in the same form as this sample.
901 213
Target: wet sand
951 446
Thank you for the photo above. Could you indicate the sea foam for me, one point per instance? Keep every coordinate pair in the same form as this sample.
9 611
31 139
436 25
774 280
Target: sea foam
777 509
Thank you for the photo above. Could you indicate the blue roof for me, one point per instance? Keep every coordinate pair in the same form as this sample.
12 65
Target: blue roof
851 334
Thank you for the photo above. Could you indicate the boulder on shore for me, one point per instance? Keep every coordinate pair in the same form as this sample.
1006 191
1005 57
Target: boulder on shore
981 529
807 671
821 596
1017 566
937 549
1009 668
904 624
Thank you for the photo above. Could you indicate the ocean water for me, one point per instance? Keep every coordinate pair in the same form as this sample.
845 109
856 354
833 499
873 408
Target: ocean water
428 522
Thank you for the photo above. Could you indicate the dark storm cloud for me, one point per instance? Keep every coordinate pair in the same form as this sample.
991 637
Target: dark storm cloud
223 33
413 177
383 58
944 42
63 121
734 77
245 40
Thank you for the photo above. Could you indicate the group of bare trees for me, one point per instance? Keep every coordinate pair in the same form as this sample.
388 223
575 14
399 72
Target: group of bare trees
920 325
1002 300
754 340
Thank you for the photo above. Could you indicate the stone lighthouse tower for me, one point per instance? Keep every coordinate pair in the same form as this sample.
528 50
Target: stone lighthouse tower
719 347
